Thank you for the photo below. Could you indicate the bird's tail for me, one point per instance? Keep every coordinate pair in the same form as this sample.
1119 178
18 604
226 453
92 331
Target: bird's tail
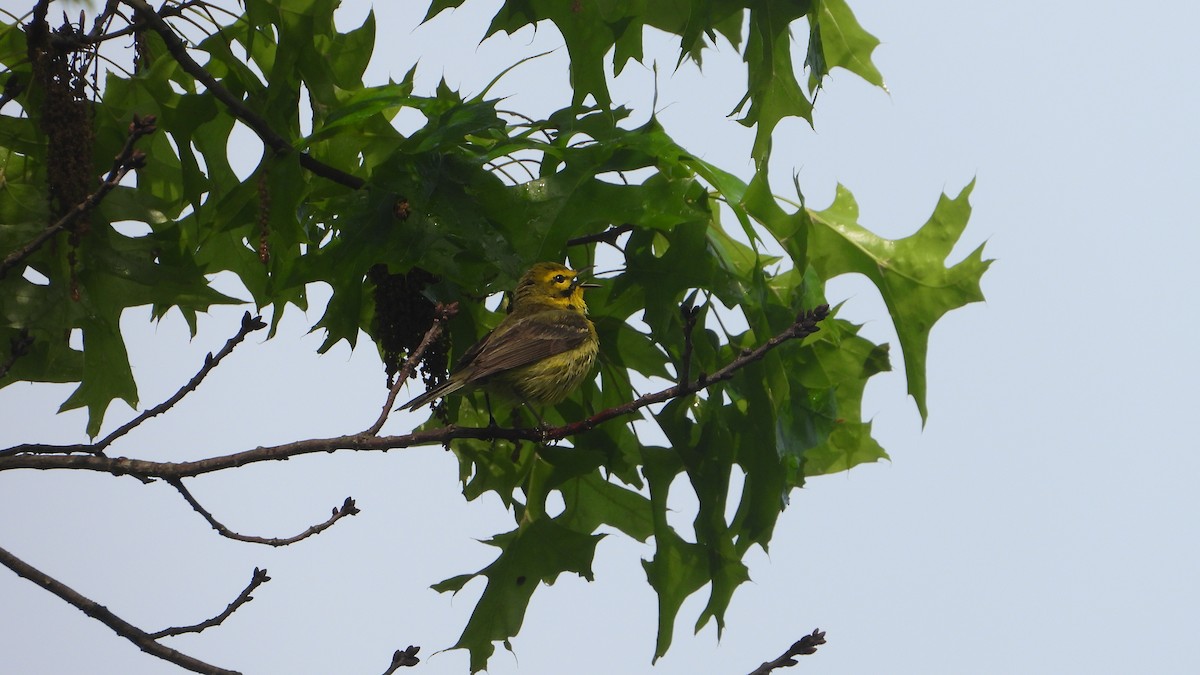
448 387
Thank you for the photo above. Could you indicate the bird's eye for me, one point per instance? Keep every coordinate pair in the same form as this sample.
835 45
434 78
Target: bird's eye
558 278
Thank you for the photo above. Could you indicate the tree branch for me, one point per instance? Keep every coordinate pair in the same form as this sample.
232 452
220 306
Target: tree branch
258 579
97 35
608 236
805 325
347 509
269 137
100 24
101 613
802 647
126 161
441 314
249 325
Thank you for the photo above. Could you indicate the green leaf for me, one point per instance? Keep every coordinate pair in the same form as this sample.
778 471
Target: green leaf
910 273
592 501
362 105
589 33
822 425
351 53
840 42
106 373
537 552
677 570
45 360
761 447
437 6
772 90
627 348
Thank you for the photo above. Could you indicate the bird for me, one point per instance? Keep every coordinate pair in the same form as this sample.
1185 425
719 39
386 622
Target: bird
538 354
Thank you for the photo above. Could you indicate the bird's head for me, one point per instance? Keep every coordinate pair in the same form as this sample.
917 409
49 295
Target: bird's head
552 284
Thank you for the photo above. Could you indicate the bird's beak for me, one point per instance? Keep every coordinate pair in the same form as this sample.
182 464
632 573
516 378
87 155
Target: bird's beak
580 272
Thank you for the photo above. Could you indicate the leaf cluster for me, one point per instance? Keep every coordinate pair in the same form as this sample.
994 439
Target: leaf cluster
713 265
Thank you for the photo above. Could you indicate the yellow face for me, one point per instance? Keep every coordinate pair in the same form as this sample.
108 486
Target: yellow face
552 283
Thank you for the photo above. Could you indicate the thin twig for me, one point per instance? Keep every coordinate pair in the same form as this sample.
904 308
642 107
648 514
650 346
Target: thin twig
208 7
13 19
441 314
72 42
126 161
101 613
258 579
406 658
269 136
608 236
48 449
497 166
803 647
195 24
103 19
805 325
347 509
249 325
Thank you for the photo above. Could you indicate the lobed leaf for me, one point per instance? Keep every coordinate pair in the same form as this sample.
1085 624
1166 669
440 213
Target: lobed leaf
910 273
536 552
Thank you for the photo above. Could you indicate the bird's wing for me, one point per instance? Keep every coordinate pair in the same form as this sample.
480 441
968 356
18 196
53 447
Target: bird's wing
529 340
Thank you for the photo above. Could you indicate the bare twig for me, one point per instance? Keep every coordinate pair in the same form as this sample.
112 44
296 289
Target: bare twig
441 314
406 658
347 509
608 236
249 325
103 19
76 41
802 647
805 325
101 613
126 161
258 579
48 449
269 136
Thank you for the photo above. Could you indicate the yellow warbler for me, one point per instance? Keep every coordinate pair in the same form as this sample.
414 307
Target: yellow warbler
540 352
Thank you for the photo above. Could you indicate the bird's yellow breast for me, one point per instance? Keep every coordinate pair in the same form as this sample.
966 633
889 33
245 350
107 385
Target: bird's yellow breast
552 379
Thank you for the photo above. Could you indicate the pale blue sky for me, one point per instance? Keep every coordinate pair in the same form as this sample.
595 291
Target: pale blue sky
1044 521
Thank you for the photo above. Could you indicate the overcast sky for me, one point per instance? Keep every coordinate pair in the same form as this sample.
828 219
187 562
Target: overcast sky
1043 521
